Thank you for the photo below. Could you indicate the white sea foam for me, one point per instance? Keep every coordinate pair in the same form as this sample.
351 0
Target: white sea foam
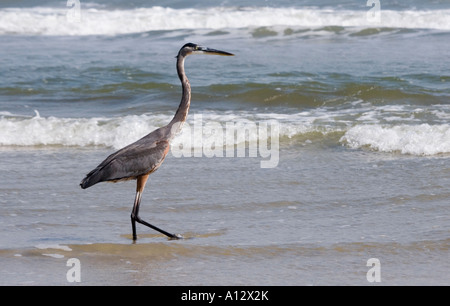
54 255
117 132
53 246
37 130
97 21
423 139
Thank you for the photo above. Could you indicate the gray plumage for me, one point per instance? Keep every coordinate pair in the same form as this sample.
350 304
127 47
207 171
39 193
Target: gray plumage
139 158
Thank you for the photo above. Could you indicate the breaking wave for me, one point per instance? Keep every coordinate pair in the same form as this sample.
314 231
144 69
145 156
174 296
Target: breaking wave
116 132
423 139
93 20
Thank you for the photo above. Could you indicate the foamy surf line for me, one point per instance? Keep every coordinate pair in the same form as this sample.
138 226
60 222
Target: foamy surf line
42 131
420 140
94 21
117 132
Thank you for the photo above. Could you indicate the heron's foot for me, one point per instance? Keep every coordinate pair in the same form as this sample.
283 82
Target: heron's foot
135 218
176 237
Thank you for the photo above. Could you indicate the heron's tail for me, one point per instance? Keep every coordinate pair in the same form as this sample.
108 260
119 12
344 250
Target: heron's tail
91 178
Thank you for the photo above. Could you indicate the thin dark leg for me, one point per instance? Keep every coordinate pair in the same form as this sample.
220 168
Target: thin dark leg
135 214
137 219
133 225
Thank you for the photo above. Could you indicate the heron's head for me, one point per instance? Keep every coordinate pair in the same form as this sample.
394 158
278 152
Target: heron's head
191 48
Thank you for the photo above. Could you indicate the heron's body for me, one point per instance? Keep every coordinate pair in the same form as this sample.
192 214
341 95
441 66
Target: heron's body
133 161
143 157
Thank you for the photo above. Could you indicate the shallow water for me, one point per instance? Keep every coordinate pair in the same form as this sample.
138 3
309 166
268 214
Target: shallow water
308 224
361 169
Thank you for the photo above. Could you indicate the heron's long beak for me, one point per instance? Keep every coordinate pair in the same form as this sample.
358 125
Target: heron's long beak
216 52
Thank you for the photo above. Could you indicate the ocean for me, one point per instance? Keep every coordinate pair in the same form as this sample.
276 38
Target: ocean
317 155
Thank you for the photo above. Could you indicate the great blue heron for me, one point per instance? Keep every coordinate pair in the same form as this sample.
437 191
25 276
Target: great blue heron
143 157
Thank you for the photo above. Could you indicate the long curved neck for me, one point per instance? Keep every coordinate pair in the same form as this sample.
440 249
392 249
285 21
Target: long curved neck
180 116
